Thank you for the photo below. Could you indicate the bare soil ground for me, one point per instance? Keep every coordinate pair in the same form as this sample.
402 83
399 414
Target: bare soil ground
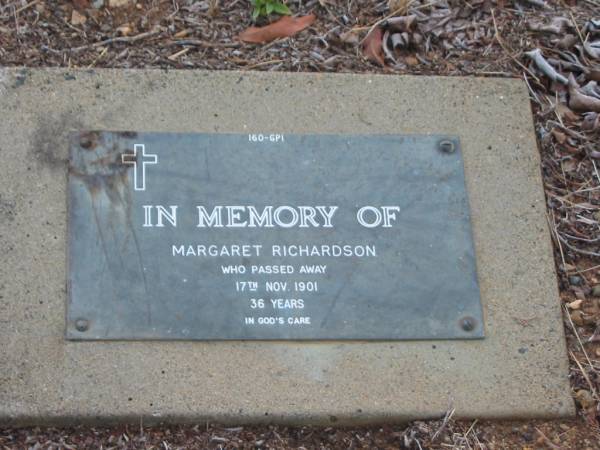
553 45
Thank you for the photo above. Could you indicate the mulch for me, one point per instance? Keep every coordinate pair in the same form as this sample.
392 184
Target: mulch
553 45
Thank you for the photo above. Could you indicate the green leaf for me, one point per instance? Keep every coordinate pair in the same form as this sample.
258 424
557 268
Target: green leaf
280 8
270 7
255 13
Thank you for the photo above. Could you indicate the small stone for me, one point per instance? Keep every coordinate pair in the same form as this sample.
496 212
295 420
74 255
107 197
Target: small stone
596 290
585 398
97 4
77 18
575 280
577 317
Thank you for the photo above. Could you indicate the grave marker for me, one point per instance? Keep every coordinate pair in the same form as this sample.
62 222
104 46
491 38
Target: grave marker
516 368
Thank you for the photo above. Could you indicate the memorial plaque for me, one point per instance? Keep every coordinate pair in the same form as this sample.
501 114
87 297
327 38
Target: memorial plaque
268 236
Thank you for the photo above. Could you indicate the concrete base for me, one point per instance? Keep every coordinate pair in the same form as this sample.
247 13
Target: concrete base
518 371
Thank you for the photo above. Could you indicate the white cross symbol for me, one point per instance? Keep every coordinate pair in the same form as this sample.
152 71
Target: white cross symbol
139 183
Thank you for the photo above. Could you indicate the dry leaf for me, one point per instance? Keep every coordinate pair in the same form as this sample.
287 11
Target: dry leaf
576 304
567 41
579 101
536 56
372 49
411 60
124 30
398 6
401 24
117 3
591 122
560 137
284 27
558 25
81 5
77 18
349 37
565 113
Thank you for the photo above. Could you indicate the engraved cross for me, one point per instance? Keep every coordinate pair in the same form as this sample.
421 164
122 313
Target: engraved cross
139 170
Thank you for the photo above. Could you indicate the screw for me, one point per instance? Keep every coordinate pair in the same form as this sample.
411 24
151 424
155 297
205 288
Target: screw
446 146
82 325
467 323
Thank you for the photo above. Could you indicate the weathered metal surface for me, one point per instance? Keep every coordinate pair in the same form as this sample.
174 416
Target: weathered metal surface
407 271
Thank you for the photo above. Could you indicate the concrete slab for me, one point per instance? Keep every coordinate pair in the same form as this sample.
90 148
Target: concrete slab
518 371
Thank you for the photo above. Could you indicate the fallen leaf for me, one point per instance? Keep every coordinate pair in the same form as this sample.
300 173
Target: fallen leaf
593 49
401 24
372 46
577 318
349 37
124 30
576 304
565 113
558 25
560 137
81 5
567 41
117 3
411 60
398 6
284 27
591 122
579 101
544 66
77 18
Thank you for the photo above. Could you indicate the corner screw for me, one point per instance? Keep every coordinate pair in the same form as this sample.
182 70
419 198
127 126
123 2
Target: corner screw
82 325
467 323
447 146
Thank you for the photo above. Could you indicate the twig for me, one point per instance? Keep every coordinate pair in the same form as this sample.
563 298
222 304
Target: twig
501 43
584 373
577 28
577 250
447 418
200 43
22 8
580 343
571 133
121 39
102 53
548 441
181 52
586 270
555 229
531 90
263 63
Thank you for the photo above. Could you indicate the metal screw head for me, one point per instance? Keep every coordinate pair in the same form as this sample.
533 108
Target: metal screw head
467 323
447 146
82 325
